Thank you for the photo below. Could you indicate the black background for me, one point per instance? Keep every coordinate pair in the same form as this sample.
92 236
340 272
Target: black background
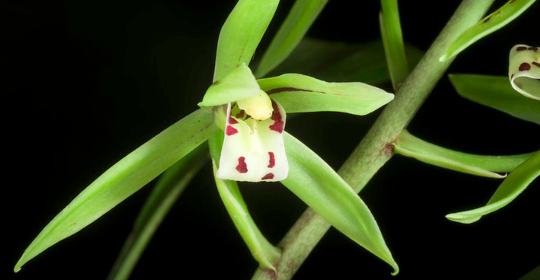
89 81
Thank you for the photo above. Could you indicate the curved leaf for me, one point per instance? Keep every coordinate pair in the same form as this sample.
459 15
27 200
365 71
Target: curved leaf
300 93
321 188
123 179
491 23
392 39
496 92
479 165
237 84
261 249
302 14
241 34
170 186
510 188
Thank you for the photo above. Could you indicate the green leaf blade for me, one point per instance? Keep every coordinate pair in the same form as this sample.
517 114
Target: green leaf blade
479 165
261 249
392 38
166 192
497 93
321 188
241 34
299 93
510 189
301 16
491 23
123 179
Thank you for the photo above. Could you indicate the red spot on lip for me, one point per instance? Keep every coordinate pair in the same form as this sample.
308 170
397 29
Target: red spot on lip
278 120
242 166
241 114
268 176
524 66
272 160
232 121
230 130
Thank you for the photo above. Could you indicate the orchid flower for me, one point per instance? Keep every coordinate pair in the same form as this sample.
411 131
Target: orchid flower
524 70
243 120
253 147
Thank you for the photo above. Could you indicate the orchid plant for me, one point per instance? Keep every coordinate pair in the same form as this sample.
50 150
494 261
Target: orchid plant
241 125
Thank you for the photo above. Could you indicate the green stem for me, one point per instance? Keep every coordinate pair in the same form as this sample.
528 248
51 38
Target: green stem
375 149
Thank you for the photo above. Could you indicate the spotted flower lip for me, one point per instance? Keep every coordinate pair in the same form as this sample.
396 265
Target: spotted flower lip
253 150
524 70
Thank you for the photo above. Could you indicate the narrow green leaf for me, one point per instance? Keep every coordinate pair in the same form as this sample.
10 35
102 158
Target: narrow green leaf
261 249
170 186
491 23
241 34
300 93
301 16
479 165
238 84
394 47
321 188
510 188
338 61
123 179
496 92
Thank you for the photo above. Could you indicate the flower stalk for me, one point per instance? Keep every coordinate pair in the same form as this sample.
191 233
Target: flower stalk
375 148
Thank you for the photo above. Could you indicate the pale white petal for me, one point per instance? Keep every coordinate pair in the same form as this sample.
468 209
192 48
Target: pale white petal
253 151
524 70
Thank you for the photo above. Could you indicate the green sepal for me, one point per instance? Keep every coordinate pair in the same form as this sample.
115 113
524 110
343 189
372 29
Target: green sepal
300 93
491 23
479 165
241 34
123 179
321 188
510 189
261 249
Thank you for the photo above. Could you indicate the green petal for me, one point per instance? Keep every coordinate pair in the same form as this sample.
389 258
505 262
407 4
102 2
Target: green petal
123 179
491 23
300 93
510 188
496 92
524 70
261 249
170 186
296 24
338 61
479 165
392 39
321 188
238 84
241 34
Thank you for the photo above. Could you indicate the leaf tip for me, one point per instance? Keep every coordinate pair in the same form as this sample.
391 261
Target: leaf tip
19 265
395 267
460 218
